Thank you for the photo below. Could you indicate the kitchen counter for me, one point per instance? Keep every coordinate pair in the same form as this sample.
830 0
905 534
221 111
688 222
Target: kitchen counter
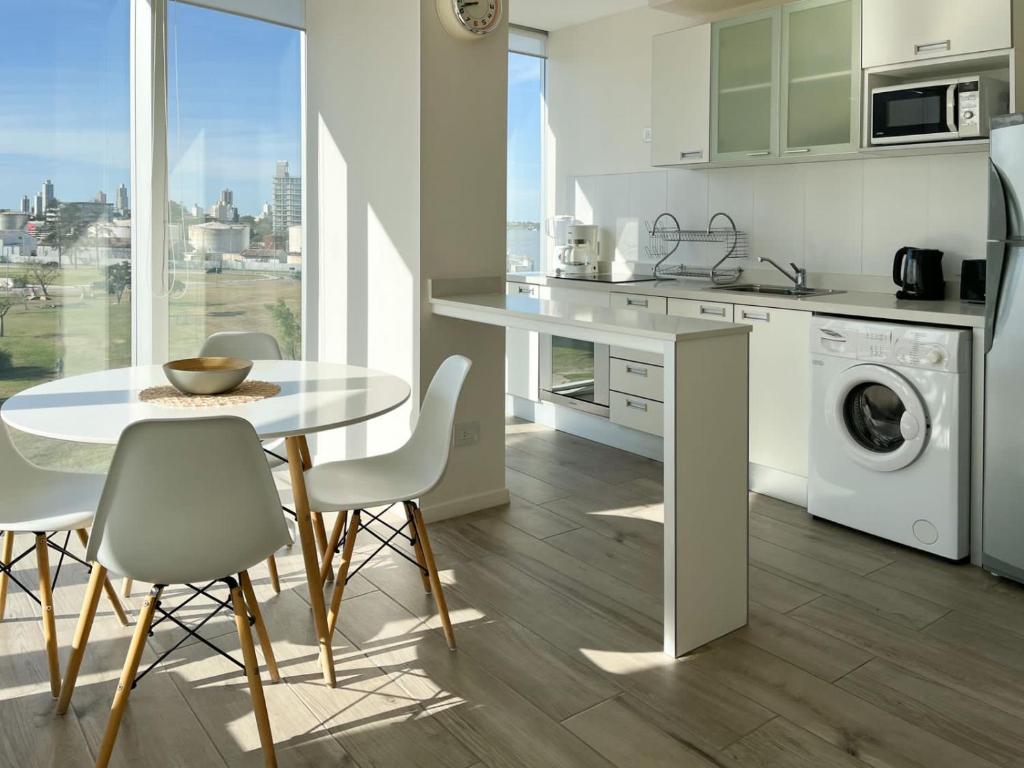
881 306
705 445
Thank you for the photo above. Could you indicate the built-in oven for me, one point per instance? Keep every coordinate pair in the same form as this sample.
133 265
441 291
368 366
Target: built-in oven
937 110
575 373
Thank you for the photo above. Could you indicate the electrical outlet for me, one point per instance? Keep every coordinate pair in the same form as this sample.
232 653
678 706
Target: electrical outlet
647 135
467 433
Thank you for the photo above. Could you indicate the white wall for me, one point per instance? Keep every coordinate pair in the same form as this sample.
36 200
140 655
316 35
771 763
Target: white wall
839 217
406 150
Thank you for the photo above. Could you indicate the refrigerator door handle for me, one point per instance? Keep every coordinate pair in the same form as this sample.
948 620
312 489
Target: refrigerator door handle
996 249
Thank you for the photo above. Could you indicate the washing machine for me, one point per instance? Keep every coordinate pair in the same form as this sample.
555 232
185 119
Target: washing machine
890 431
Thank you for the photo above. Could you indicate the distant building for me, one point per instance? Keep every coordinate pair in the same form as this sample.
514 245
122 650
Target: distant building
17 245
101 197
26 204
287 199
38 211
215 237
13 220
121 199
224 209
197 212
47 198
266 212
295 238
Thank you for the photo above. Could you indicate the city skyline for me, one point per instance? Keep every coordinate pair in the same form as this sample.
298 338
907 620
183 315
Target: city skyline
234 108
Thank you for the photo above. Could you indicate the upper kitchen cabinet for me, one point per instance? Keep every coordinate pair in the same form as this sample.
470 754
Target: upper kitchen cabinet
897 31
745 87
820 77
681 97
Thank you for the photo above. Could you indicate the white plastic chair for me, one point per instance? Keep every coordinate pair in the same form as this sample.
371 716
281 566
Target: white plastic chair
399 477
43 502
249 345
186 501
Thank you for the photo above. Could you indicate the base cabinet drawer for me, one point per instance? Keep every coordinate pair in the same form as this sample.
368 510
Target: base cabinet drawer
701 310
639 303
632 378
637 413
625 353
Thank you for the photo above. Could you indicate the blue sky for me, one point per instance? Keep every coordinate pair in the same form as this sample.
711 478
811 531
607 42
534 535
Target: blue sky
525 94
234 102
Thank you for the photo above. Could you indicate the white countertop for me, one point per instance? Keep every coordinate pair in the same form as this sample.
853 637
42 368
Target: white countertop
640 330
882 306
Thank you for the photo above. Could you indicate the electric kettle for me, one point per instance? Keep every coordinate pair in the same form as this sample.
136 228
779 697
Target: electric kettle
918 273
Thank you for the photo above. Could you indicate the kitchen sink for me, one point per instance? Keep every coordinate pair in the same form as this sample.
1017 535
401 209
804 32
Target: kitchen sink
777 290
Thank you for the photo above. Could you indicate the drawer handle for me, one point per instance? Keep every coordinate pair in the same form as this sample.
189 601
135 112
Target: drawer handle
636 302
637 405
716 311
526 289
762 153
941 45
762 316
691 153
797 151
636 371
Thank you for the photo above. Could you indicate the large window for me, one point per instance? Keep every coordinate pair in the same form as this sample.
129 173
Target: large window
65 202
234 181
525 160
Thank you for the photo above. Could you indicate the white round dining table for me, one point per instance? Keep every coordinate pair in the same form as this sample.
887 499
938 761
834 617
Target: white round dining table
314 396
96 407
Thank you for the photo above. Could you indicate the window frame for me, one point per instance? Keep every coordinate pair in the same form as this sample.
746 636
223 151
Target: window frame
149 171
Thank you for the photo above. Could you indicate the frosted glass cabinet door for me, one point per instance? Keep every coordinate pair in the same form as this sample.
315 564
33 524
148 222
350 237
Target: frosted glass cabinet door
820 74
745 87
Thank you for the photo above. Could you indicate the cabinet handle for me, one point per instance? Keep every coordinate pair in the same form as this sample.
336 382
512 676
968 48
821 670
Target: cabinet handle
941 45
526 289
637 405
636 302
716 311
686 153
762 153
636 371
797 151
764 317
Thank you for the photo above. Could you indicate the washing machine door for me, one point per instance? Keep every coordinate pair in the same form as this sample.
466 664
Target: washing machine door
879 417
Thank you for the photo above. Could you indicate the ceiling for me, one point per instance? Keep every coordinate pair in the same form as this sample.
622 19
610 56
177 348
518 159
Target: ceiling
550 15
555 14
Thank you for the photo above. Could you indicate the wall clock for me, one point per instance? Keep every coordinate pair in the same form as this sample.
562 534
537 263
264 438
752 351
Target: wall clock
469 19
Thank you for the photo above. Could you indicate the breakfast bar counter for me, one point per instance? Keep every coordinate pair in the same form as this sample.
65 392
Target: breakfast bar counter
705 444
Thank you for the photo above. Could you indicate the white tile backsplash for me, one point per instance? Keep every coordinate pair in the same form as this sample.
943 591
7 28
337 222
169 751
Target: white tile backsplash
839 217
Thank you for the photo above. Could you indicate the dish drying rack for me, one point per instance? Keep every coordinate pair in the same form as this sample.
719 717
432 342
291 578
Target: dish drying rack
665 240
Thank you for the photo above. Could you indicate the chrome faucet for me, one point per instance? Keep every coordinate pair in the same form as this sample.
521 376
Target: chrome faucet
799 276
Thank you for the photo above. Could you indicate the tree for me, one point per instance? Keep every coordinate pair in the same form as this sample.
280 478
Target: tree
7 302
42 273
288 327
119 278
63 230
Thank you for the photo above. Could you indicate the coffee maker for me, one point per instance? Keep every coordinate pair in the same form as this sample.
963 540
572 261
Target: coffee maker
918 273
581 252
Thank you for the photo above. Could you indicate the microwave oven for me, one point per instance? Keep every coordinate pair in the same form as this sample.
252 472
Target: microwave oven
937 110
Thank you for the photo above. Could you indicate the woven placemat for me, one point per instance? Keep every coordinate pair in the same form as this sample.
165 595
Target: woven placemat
246 392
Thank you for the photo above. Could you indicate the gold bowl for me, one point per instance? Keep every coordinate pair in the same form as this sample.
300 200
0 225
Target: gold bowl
207 375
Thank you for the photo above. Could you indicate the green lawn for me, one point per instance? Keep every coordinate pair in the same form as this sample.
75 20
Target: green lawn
81 330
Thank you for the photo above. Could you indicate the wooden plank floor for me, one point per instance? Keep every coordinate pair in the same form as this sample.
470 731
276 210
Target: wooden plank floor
858 653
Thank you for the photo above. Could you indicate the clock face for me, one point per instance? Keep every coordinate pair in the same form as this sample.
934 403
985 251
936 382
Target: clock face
478 17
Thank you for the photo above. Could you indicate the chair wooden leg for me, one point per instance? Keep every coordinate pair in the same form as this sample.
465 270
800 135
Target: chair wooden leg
131 668
46 604
417 547
261 629
92 600
275 581
327 561
7 556
310 560
108 588
435 581
319 531
126 587
346 561
252 672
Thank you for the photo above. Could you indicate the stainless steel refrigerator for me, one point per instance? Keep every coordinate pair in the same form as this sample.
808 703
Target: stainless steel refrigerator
1004 359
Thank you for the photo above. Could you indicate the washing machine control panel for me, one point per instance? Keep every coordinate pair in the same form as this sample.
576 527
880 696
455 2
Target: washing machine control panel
910 346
